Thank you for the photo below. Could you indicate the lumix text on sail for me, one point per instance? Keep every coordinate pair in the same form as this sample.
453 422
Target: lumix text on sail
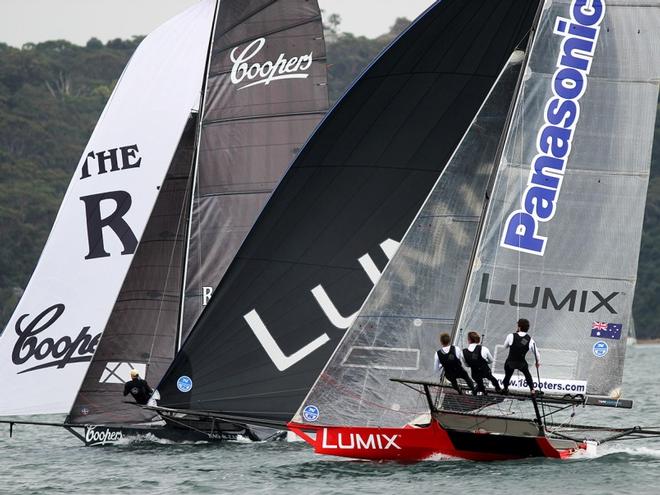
554 139
266 72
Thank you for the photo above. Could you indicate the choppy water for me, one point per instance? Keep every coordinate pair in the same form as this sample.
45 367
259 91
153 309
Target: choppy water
47 460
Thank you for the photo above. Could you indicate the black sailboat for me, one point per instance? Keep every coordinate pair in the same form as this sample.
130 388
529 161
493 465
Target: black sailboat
308 263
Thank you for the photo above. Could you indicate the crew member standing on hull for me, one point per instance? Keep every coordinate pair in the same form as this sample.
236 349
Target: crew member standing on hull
479 359
448 358
138 388
519 343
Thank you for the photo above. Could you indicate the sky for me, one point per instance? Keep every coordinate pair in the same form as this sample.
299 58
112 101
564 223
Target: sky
23 21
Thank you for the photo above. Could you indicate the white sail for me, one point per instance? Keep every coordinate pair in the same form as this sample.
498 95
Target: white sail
52 335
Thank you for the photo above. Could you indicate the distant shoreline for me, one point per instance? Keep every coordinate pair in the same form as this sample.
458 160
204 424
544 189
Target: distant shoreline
647 341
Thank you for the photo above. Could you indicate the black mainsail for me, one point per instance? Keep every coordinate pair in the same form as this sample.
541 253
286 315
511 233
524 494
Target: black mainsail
297 280
266 92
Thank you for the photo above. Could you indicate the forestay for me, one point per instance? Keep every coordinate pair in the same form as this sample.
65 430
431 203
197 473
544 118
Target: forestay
396 332
54 331
561 239
319 245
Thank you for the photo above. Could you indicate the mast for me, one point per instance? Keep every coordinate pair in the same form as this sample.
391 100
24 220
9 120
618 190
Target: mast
493 176
193 185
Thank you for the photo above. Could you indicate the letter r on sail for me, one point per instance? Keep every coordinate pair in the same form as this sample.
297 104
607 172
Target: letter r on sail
281 360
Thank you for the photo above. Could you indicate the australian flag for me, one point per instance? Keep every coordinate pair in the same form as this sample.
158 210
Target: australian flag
604 330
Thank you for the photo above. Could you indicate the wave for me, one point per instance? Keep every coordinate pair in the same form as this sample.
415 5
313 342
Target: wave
604 451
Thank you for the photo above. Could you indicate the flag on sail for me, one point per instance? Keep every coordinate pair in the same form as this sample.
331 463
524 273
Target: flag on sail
604 330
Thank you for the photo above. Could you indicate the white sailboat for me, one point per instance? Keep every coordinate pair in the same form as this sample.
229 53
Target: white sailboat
55 329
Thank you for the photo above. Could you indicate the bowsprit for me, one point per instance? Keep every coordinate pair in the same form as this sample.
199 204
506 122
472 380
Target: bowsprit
554 140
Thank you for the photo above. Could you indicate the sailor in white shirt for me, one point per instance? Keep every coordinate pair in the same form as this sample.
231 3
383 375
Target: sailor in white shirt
519 343
450 359
479 359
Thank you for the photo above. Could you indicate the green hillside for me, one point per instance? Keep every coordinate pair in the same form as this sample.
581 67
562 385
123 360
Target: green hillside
51 95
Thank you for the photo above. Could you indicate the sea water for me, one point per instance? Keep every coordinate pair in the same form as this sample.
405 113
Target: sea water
40 460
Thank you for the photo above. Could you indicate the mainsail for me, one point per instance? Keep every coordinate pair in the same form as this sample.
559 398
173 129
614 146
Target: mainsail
266 92
300 275
53 333
560 242
419 293
253 123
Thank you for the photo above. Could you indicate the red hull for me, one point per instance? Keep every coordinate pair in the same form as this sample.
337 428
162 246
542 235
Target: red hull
412 444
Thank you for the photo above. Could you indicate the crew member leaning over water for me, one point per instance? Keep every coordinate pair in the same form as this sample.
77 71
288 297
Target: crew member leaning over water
479 359
519 343
450 359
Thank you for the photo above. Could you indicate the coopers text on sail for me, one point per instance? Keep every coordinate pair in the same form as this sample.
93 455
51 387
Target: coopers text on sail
554 139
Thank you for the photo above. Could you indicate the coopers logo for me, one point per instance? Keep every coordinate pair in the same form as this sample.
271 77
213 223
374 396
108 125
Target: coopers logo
94 436
47 351
266 72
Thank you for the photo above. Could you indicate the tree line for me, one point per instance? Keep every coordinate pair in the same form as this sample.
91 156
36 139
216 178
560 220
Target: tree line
52 93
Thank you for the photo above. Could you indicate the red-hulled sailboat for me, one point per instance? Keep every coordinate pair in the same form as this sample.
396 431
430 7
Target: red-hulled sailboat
538 214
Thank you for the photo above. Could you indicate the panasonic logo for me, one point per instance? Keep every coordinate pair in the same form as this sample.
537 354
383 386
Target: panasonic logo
554 140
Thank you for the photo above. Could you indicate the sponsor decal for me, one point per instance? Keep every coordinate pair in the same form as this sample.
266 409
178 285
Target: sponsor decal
84 411
207 292
552 385
554 140
357 441
580 301
120 372
603 330
266 72
270 345
48 352
311 413
184 384
600 349
101 436
111 160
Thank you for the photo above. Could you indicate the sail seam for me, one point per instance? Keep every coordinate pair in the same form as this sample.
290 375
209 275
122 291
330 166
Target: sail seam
254 117
585 171
267 33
